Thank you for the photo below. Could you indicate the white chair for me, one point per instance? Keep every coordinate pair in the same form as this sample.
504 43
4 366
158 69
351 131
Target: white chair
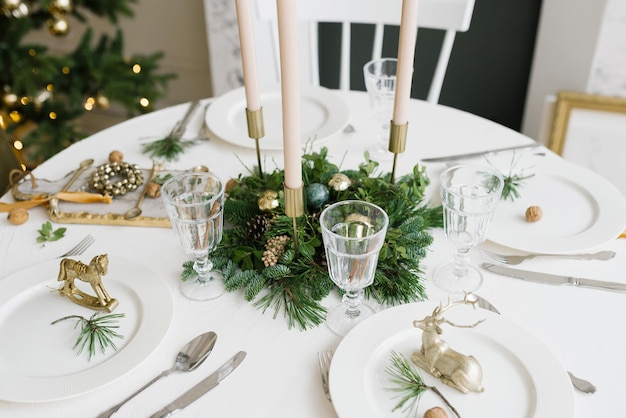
451 16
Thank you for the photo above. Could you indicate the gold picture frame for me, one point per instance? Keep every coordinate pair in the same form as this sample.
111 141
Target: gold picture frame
567 101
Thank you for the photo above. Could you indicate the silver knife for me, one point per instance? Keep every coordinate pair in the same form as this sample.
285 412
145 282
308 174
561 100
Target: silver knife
477 154
179 129
201 388
548 278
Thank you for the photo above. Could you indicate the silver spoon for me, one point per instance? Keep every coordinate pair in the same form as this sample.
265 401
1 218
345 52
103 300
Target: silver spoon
190 357
81 167
136 210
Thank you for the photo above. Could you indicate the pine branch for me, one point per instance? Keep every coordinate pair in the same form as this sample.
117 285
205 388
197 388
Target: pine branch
95 332
409 385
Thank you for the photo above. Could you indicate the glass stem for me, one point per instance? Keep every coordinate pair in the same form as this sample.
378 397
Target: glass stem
203 267
461 261
352 301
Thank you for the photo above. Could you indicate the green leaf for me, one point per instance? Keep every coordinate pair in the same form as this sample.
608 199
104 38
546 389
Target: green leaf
47 234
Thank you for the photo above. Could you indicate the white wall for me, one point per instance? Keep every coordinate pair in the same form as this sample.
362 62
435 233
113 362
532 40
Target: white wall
581 46
565 49
609 69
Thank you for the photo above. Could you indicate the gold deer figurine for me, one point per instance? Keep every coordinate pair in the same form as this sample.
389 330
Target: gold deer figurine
457 370
89 273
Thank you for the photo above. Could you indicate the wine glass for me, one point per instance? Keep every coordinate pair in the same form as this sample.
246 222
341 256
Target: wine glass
380 83
194 204
469 196
353 233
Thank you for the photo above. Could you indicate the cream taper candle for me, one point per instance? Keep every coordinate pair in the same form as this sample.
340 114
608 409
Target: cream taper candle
290 88
248 55
406 55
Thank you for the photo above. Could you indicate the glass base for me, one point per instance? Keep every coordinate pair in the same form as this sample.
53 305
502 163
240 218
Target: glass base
340 323
446 280
195 289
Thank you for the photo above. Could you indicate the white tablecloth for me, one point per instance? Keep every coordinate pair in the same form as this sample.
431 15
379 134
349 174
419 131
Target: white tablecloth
280 377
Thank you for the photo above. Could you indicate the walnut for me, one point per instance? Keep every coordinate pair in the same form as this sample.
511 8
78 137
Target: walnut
534 214
116 156
153 190
17 216
436 412
230 185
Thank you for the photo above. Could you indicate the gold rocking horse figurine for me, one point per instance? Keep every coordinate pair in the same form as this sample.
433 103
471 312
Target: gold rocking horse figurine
89 273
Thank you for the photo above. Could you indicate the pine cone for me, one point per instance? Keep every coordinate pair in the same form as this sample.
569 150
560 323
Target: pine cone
257 227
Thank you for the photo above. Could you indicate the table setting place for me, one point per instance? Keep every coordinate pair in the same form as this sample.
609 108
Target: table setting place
300 251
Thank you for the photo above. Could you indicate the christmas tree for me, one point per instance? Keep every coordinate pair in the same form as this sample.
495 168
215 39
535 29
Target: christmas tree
42 96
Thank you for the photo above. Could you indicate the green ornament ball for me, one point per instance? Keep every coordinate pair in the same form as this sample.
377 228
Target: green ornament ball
316 195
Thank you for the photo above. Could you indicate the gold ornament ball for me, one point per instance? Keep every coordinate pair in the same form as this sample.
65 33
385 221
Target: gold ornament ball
268 201
339 182
10 5
58 25
10 100
102 101
60 6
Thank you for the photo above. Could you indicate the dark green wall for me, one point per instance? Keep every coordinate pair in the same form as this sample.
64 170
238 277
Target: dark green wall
488 69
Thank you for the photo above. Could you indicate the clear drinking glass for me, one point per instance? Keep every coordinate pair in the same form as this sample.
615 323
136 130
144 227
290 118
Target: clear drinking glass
194 203
469 196
353 233
380 83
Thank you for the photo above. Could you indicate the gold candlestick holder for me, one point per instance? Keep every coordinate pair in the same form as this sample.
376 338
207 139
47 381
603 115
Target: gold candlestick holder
294 207
397 144
256 131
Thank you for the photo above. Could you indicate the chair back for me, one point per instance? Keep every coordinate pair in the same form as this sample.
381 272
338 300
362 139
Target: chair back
450 16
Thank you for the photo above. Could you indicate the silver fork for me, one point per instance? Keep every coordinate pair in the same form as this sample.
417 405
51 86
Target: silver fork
324 358
80 247
517 259
580 384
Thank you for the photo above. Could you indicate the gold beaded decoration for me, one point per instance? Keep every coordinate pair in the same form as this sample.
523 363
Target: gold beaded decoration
116 179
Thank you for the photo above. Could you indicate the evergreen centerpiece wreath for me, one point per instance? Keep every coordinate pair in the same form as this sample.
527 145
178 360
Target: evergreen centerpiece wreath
257 253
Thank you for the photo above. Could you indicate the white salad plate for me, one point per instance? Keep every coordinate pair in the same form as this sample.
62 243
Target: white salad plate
324 114
521 377
581 210
37 360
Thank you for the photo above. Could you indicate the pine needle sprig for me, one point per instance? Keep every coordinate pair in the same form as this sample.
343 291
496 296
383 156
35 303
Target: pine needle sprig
170 148
512 184
409 385
96 332
513 180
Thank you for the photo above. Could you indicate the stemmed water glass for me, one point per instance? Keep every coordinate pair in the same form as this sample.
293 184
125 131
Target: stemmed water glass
380 83
469 196
353 233
194 204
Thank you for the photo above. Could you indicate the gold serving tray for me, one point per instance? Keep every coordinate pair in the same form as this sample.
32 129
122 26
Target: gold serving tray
153 211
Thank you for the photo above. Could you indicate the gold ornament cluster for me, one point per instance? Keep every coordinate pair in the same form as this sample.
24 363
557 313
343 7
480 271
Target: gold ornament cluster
58 9
274 249
129 177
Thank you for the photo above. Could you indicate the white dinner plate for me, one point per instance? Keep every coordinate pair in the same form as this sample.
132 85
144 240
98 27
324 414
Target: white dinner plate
324 114
521 377
37 359
581 210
